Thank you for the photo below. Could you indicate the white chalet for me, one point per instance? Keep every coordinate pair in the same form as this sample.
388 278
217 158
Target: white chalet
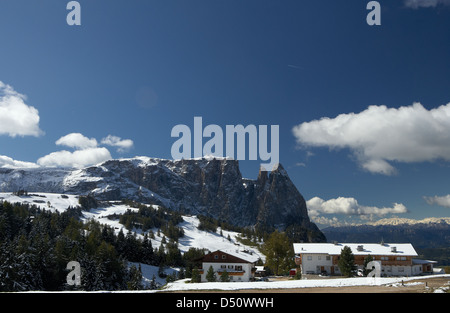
396 258
239 265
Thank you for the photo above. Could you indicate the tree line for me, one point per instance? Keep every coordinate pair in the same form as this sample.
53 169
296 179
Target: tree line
36 246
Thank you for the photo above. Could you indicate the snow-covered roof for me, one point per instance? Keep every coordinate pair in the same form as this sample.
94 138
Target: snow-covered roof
404 249
251 258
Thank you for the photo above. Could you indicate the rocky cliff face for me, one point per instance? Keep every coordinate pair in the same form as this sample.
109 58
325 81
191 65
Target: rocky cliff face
213 187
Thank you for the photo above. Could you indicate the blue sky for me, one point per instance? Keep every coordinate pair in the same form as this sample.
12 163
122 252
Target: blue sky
341 91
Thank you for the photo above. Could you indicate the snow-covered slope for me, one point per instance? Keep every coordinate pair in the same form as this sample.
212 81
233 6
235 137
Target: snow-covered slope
193 237
207 186
49 201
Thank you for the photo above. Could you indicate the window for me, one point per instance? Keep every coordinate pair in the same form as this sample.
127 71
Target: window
216 256
309 258
319 257
224 256
223 266
238 268
230 266
328 258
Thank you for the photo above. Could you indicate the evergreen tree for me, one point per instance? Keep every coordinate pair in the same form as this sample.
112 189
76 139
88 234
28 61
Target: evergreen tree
346 262
161 273
279 253
195 276
135 278
181 273
153 284
173 257
171 277
210 275
161 255
121 243
88 273
298 274
101 281
225 277
147 251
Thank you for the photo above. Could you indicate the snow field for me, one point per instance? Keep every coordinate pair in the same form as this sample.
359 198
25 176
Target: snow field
181 285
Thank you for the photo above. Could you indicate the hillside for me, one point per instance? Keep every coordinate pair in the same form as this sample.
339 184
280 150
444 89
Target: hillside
41 232
208 186
108 214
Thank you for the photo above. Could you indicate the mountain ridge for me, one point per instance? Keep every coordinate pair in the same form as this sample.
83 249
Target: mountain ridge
208 186
421 235
409 221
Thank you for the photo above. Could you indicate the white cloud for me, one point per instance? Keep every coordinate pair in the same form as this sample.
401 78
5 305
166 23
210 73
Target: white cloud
77 141
348 206
16 117
441 201
379 135
86 153
76 159
7 162
122 145
415 4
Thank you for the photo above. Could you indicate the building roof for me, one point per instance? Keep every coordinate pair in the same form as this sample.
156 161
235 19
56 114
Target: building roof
403 249
230 256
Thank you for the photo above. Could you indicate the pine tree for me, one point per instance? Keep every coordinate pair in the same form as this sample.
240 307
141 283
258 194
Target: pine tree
181 274
135 278
147 251
346 262
210 275
225 277
153 284
195 276
88 273
279 253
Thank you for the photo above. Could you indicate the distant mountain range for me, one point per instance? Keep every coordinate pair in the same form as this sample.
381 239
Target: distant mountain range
207 186
408 221
427 233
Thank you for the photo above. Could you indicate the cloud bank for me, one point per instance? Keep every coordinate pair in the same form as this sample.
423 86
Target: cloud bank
77 141
76 159
7 162
19 119
16 117
87 152
441 201
379 135
122 145
349 206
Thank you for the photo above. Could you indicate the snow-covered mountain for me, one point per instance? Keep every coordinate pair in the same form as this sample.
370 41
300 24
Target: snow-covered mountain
408 221
207 186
